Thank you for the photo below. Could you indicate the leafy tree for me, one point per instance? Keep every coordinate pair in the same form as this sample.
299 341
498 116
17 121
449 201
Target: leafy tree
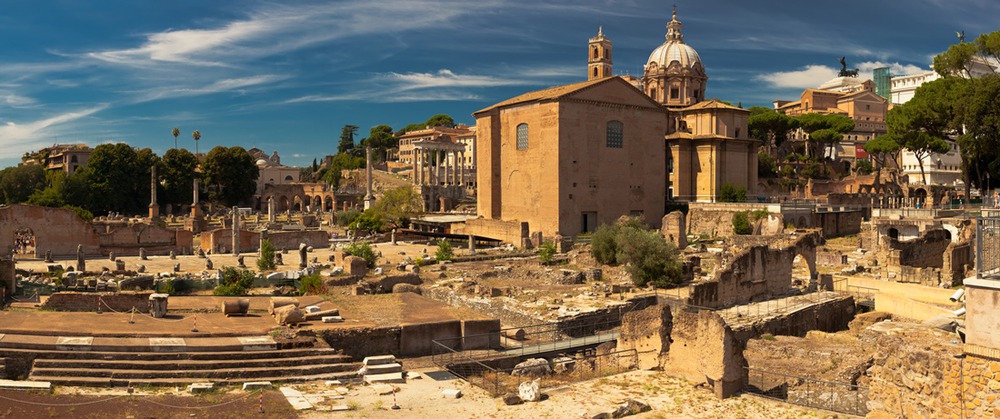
231 175
339 163
266 260
732 193
362 250
445 251
957 60
863 167
52 195
381 139
647 257
17 183
440 120
177 172
766 167
979 143
118 178
368 220
398 206
196 135
883 149
912 131
770 127
823 124
347 139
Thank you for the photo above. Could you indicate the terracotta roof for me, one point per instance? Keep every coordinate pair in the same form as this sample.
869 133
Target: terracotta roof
557 92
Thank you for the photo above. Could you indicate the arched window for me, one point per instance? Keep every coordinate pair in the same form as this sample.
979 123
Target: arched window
595 53
522 137
607 53
614 134
595 71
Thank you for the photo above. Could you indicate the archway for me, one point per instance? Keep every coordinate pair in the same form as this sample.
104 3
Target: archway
297 203
328 204
317 203
283 203
24 241
893 233
920 197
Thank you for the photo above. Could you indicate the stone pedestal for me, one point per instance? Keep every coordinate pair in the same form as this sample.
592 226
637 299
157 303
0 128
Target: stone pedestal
158 305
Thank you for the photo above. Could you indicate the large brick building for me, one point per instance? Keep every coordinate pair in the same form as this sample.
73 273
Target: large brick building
570 158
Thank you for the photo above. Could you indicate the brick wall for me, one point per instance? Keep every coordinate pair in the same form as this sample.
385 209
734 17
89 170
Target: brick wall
506 231
87 301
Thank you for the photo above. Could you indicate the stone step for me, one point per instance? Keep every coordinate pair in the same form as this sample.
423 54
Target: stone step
379 360
183 381
153 356
25 385
138 344
383 368
394 377
186 364
241 374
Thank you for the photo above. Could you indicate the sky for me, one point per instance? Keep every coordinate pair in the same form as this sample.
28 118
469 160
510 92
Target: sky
287 76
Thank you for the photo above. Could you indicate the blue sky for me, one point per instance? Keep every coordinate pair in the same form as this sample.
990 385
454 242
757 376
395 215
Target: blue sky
287 77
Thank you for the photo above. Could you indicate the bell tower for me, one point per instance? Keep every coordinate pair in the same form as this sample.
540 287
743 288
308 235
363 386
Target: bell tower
599 56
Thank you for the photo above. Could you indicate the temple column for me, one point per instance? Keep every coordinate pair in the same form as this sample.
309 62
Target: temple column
417 166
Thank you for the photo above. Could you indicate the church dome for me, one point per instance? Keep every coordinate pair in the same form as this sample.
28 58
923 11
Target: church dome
261 162
672 51
674 48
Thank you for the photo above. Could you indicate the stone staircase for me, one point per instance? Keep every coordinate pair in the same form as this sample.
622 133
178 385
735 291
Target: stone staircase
222 363
382 369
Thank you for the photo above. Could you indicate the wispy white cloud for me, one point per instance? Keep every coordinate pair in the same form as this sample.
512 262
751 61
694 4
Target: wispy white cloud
15 100
811 76
445 78
16 138
219 86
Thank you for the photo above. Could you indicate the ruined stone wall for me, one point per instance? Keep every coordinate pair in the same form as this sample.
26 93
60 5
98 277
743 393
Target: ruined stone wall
290 240
8 279
838 223
716 219
754 274
87 301
222 238
959 258
928 376
834 258
362 342
648 332
704 349
58 230
512 232
126 240
827 316
674 229
508 312
588 323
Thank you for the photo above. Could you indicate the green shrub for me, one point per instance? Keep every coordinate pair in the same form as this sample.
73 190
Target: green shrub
266 260
419 261
82 212
766 167
444 251
546 252
167 287
368 220
741 223
863 167
757 215
346 218
234 282
647 257
732 193
362 250
312 284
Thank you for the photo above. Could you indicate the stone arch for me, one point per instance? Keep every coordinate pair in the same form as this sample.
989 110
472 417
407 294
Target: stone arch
297 204
801 222
328 204
283 204
317 202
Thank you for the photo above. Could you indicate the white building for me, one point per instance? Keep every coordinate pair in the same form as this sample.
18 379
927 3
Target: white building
940 169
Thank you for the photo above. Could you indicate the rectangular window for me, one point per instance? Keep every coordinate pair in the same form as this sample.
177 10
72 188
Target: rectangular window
589 222
522 137
675 93
614 134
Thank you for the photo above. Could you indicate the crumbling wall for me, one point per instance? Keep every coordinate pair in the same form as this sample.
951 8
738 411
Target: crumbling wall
648 332
832 315
127 239
704 349
58 230
362 342
932 259
88 301
920 372
290 240
222 238
513 232
838 222
674 229
8 280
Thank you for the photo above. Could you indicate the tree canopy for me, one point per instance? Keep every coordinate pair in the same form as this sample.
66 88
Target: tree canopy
230 174
177 172
769 126
18 182
118 178
346 144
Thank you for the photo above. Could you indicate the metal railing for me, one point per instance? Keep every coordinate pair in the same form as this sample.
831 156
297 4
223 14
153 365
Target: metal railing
498 381
834 396
988 247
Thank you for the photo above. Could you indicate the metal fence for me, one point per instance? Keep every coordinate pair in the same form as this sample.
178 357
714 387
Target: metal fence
834 396
499 381
988 246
